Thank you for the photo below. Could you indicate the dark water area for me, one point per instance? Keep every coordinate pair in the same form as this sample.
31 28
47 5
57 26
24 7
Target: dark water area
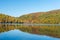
19 35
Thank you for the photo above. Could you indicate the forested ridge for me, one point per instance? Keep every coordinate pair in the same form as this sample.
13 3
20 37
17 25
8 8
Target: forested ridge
50 17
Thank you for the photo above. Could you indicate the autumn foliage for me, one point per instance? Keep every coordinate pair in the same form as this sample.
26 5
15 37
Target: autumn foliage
50 17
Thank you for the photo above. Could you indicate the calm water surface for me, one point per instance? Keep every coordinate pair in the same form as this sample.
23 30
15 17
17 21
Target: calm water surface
19 35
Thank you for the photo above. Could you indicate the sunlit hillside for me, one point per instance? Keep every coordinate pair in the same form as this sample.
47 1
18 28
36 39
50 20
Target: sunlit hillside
49 17
7 18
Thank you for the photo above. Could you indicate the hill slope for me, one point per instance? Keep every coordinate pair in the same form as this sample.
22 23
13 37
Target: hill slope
6 18
50 17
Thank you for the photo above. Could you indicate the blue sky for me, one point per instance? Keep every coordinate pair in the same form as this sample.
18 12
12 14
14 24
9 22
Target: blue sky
21 7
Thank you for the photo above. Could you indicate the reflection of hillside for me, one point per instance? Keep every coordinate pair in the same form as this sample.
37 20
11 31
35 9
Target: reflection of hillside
41 30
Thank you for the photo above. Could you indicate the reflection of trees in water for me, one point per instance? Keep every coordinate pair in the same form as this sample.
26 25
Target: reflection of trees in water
46 30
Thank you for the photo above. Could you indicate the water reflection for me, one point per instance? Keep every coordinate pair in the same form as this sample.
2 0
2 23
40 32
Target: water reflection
41 30
19 35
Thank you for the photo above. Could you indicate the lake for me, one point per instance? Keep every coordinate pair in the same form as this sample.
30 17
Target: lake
19 35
